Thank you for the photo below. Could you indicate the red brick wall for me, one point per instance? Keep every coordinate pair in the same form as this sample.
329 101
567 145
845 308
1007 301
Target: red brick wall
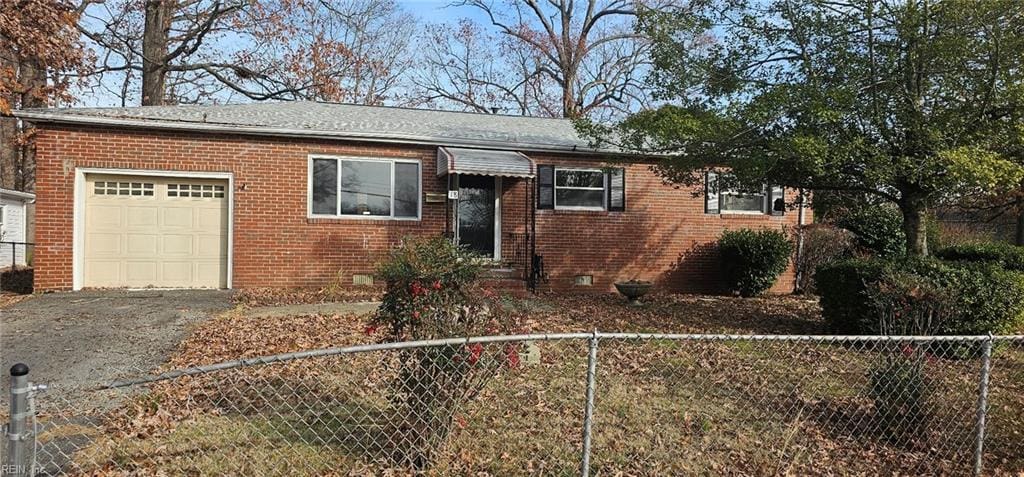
275 244
663 235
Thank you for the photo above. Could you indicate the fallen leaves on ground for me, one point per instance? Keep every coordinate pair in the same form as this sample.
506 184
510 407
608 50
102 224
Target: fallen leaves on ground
674 314
277 296
234 335
8 299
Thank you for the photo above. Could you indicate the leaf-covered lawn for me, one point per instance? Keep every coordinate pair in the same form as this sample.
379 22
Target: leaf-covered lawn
662 407
236 335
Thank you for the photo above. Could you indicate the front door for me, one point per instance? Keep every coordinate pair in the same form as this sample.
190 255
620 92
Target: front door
476 214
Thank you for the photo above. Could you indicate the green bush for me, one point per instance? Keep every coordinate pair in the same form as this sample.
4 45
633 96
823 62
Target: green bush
972 299
753 260
1010 257
844 288
901 391
877 229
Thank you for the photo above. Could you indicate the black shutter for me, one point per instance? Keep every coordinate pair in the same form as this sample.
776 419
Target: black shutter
545 187
711 193
777 201
616 179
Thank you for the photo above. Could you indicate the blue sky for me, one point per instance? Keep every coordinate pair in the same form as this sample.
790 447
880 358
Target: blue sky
438 11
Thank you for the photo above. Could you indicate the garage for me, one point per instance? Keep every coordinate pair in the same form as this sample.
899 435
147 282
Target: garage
150 231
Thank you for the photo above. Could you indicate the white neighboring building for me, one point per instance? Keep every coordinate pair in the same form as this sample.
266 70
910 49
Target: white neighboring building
14 226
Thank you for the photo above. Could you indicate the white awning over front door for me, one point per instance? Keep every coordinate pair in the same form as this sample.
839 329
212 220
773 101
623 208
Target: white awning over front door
483 162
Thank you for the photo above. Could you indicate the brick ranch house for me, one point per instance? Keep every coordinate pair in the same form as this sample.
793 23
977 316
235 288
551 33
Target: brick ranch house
306 194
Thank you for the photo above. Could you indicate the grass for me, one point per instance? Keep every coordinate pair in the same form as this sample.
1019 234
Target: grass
662 407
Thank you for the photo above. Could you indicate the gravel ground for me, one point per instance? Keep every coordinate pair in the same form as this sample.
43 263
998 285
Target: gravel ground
89 338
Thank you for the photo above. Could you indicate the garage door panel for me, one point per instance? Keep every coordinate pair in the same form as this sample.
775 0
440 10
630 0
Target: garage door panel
177 217
210 246
177 244
210 219
178 272
145 244
141 216
100 244
141 273
212 273
104 215
147 231
104 273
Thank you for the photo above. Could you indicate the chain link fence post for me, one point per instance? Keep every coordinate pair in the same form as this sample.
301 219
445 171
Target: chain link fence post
17 429
588 412
979 439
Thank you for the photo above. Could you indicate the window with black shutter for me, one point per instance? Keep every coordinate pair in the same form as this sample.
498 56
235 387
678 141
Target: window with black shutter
711 193
617 189
545 187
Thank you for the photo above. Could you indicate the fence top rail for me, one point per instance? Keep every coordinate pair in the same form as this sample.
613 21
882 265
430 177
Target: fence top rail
337 351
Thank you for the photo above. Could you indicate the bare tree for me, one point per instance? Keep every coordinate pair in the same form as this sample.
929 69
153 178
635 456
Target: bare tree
39 53
586 53
189 51
351 51
467 68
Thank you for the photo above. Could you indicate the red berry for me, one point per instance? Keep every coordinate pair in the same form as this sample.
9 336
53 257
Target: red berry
474 352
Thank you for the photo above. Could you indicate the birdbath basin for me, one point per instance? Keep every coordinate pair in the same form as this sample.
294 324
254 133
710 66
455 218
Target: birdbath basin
633 290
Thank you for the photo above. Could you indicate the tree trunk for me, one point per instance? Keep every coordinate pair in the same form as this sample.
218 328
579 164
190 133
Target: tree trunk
9 152
1020 228
915 225
154 51
569 107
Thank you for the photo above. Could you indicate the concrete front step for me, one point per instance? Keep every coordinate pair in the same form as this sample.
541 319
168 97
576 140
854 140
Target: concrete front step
502 273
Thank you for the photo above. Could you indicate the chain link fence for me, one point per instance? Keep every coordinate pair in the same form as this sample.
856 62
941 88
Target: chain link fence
600 403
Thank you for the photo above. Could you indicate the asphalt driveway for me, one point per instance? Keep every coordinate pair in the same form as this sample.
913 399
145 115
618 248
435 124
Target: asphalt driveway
89 338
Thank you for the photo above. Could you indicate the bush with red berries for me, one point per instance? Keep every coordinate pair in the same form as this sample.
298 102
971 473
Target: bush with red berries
431 292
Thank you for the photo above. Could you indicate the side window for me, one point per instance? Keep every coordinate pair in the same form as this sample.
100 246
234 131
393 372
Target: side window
763 200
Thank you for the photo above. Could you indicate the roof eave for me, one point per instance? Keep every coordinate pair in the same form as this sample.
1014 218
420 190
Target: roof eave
17 194
213 128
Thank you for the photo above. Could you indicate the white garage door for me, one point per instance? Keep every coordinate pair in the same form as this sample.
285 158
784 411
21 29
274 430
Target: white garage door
155 232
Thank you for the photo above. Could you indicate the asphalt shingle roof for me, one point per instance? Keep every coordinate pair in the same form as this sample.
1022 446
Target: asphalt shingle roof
348 121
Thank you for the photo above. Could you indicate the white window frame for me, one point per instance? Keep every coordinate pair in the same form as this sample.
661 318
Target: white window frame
603 189
338 215
765 197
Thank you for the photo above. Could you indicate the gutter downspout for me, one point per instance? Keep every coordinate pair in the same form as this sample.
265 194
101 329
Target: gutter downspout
799 239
